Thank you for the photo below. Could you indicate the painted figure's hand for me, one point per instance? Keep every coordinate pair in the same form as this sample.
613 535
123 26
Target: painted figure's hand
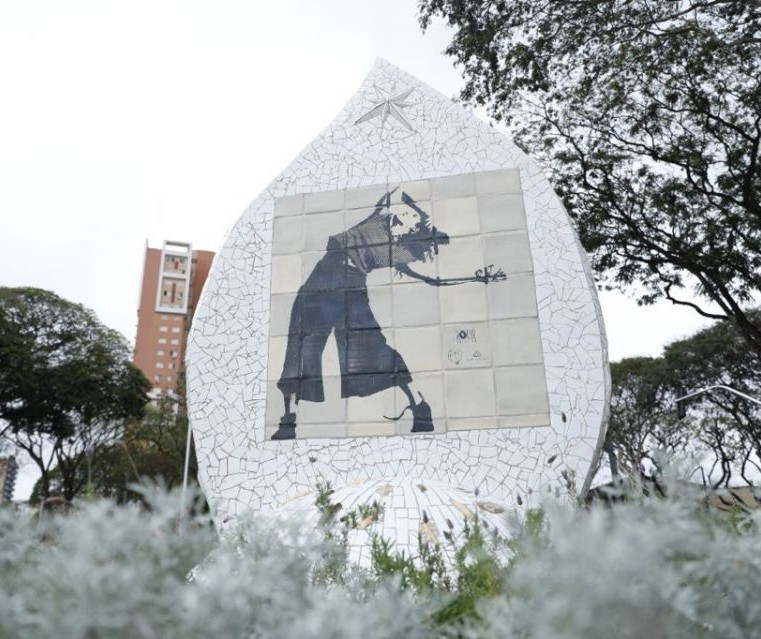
490 274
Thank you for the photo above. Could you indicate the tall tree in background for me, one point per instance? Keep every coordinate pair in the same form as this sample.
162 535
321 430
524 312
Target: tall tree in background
151 448
720 426
647 113
642 419
67 385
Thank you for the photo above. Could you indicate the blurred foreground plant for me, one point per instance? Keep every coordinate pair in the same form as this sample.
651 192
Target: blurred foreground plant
662 567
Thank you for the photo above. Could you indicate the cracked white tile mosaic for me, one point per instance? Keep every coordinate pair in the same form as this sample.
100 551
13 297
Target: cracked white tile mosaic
396 130
400 503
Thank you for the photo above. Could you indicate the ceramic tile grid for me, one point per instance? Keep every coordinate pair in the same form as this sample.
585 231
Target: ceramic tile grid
444 334
395 129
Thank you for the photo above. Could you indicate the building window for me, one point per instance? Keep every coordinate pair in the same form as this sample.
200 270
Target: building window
169 378
162 340
175 342
175 329
157 378
163 329
171 365
172 353
164 318
172 294
159 352
159 365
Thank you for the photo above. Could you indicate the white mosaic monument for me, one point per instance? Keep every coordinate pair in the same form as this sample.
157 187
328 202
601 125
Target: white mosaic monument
405 310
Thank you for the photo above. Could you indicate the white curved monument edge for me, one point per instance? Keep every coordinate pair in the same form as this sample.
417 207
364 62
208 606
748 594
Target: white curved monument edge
227 350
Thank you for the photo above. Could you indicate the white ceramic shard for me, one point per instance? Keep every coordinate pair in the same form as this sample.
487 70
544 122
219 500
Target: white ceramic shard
518 392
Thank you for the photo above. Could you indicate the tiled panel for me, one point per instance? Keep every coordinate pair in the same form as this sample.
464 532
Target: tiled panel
365 198
502 181
416 305
501 212
318 202
470 393
461 185
420 346
430 388
466 303
319 227
288 234
331 366
466 345
540 420
381 305
274 408
515 297
372 408
286 273
337 430
429 268
509 251
289 205
280 313
473 423
516 341
418 190
332 410
376 429
457 216
461 259
309 260
276 356
521 390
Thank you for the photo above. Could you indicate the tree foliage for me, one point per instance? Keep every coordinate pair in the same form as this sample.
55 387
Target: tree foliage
150 449
719 425
647 113
642 419
67 385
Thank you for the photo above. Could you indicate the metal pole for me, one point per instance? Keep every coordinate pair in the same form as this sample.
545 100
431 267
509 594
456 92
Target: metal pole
185 472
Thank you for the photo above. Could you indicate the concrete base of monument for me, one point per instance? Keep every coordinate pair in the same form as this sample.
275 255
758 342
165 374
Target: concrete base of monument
409 511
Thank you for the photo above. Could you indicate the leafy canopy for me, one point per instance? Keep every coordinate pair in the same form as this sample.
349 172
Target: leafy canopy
65 381
647 113
720 426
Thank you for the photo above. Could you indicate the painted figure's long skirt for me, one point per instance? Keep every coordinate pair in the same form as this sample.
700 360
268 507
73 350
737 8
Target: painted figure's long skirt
334 299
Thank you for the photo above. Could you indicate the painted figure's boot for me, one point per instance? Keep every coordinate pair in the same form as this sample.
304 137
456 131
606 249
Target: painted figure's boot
422 419
286 428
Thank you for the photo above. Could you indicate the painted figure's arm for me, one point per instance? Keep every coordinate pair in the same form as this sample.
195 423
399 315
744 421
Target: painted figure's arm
484 275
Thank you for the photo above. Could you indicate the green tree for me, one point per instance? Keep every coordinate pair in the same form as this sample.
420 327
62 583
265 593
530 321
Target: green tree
647 114
719 424
67 385
151 448
728 424
642 419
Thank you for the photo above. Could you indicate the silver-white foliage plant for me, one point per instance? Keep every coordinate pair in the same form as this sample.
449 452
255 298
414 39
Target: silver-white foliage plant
649 568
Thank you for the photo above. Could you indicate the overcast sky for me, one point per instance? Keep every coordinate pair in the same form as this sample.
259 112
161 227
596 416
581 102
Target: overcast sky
128 120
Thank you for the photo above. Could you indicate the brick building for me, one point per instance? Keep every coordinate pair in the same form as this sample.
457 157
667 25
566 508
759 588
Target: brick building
8 473
173 277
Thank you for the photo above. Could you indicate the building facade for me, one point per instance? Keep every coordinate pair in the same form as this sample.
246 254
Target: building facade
173 278
8 473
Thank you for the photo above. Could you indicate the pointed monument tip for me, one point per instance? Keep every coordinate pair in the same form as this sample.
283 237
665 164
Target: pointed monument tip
381 62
